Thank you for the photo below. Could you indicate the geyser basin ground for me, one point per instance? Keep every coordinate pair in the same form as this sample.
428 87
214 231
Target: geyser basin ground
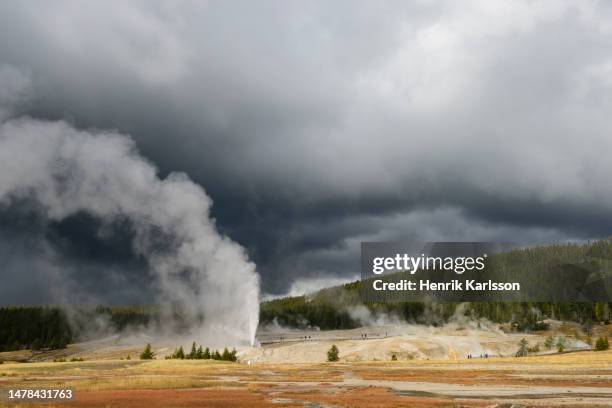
405 342
581 379
431 371
375 343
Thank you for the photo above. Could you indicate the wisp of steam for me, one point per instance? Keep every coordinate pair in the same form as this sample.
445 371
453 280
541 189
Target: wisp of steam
67 171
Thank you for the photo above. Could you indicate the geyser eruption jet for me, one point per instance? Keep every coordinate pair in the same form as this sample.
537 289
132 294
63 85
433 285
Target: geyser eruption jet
67 171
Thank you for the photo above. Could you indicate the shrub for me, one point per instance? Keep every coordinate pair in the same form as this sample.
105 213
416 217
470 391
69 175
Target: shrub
602 344
534 349
333 353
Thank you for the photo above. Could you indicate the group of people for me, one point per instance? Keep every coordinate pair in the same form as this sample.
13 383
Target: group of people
365 335
485 355
301 338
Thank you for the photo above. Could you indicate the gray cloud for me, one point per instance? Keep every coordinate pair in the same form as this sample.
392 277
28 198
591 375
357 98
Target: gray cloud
314 126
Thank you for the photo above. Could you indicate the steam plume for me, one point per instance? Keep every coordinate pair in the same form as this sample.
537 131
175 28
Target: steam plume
67 171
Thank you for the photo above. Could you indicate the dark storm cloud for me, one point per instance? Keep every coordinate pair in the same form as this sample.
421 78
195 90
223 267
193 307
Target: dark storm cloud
316 125
77 259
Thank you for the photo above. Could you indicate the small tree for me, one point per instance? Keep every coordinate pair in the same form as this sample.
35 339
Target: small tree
232 355
333 353
602 344
523 349
550 341
206 355
192 353
226 354
199 353
179 353
561 344
216 355
147 354
602 312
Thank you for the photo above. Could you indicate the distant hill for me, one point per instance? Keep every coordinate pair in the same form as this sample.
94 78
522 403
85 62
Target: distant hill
341 307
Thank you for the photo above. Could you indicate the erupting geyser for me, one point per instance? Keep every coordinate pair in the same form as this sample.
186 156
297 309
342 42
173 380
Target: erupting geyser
66 171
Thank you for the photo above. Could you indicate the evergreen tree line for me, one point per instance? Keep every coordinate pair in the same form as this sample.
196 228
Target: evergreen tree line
197 353
329 314
48 327
40 328
35 328
121 317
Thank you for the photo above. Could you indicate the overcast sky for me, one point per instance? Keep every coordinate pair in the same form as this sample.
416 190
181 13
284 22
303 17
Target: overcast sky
314 126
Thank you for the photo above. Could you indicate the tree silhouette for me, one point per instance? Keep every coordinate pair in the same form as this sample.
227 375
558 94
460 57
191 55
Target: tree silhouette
333 354
523 350
193 352
147 354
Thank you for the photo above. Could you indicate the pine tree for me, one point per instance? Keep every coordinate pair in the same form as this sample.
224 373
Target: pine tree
226 355
600 311
216 355
193 352
523 350
147 354
199 353
178 353
333 353
206 354
561 344
549 342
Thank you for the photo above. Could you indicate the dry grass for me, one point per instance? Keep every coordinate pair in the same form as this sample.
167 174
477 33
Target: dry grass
172 383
